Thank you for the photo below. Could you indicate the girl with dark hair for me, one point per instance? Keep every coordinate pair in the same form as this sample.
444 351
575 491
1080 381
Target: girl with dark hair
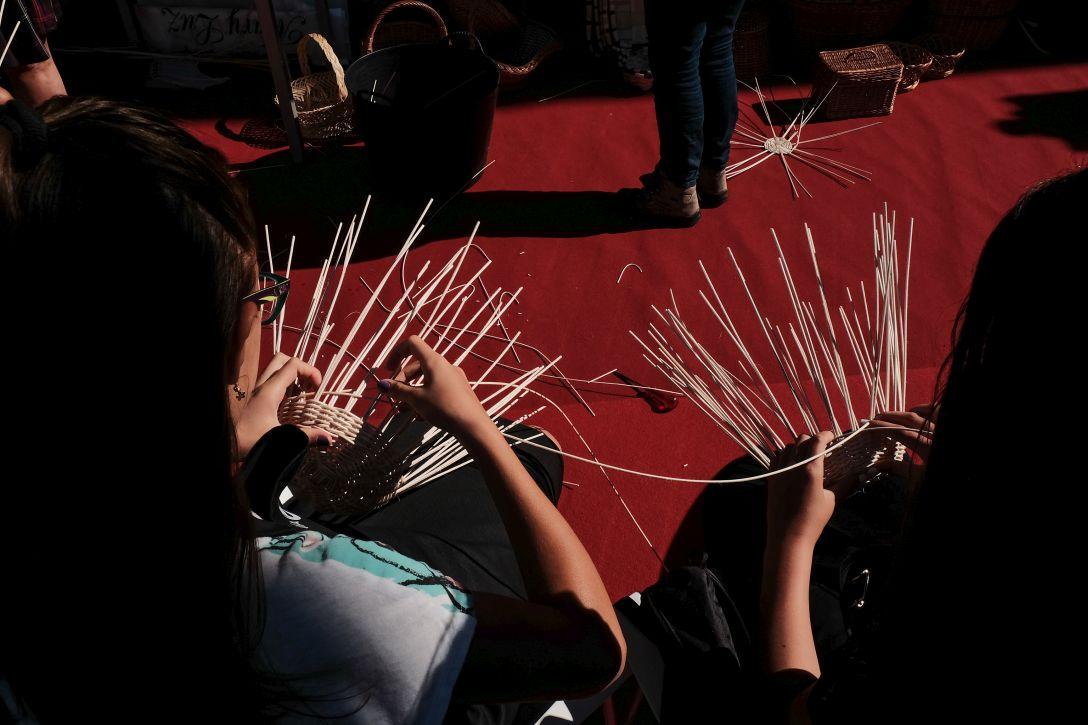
135 585
979 594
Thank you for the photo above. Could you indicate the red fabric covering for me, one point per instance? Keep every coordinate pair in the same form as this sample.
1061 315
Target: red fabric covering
953 156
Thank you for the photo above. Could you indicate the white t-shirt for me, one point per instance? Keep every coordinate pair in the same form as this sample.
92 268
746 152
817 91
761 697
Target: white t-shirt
358 629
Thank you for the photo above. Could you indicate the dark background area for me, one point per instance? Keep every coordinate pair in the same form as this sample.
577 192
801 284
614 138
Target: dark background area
1042 32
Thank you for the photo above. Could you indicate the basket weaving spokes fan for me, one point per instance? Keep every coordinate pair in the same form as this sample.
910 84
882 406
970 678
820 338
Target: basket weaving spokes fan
385 450
786 144
810 356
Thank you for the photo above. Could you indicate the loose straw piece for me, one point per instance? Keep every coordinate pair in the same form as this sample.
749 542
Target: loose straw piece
625 267
747 479
11 38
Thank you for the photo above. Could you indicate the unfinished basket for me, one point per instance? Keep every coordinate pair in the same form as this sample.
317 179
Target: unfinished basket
916 61
306 411
360 474
859 455
518 48
751 51
823 24
324 107
857 81
946 53
385 33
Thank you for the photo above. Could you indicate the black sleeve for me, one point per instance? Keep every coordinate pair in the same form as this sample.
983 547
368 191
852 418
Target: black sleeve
846 692
780 690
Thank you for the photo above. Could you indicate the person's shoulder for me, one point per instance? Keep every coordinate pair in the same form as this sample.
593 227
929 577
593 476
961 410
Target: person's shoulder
343 557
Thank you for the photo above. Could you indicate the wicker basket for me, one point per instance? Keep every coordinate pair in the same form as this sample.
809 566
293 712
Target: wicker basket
385 33
973 32
518 48
324 109
823 24
946 53
857 81
751 51
916 61
968 8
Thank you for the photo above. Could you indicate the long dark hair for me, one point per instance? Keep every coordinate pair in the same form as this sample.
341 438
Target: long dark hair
130 575
993 537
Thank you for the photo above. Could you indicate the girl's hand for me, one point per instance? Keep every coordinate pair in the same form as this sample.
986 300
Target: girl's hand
444 399
914 429
260 412
798 505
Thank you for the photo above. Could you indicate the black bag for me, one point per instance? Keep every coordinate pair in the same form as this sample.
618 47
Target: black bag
703 641
701 617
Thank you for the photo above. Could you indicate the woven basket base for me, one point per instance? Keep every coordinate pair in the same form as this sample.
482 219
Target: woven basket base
859 455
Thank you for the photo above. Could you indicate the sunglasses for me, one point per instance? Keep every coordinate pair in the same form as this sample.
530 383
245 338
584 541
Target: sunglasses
270 296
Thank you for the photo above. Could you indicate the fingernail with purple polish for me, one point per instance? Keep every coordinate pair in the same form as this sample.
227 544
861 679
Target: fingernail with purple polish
385 385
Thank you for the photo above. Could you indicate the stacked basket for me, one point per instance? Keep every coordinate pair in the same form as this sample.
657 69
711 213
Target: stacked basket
946 53
974 24
916 61
829 24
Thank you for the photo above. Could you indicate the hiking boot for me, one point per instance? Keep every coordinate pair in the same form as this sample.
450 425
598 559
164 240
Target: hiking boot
712 189
663 202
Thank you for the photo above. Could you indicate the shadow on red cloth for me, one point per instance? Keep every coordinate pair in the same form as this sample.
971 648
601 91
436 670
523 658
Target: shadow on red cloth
1056 115
309 200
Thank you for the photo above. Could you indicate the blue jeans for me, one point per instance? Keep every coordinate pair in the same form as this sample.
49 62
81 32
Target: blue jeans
695 83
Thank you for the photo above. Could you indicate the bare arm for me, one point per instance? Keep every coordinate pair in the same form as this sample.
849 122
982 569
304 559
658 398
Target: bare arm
798 508
788 643
565 641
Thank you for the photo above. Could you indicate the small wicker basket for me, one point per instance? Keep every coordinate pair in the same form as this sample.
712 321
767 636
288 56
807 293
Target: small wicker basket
751 51
385 33
857 81
916 61
946 53
324 108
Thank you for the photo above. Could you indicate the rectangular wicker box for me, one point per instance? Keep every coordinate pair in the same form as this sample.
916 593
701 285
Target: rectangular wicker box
861 81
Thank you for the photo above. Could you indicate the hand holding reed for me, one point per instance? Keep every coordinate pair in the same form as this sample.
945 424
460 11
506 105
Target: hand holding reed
442 396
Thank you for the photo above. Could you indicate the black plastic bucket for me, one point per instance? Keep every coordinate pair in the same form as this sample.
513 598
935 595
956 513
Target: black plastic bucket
425 113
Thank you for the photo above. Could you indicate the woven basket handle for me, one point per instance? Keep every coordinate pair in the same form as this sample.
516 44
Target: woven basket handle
401 4
860 51
334 62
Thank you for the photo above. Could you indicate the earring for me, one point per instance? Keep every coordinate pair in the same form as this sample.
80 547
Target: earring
238 392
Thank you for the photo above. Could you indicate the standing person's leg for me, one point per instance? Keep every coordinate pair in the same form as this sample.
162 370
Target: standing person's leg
676 38
719 85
